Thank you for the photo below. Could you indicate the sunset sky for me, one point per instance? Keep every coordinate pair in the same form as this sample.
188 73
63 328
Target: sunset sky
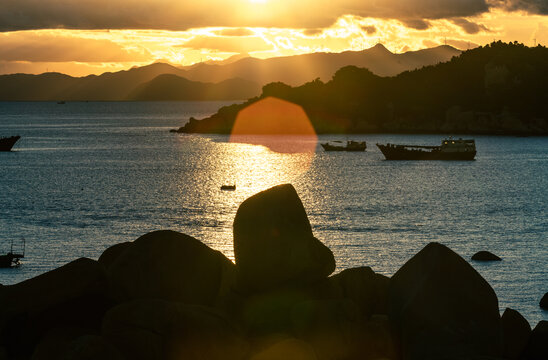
80 37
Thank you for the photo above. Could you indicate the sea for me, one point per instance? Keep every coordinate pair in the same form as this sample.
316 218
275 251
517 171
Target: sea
88 175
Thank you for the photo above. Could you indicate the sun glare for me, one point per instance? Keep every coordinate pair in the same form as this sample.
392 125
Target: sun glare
257 1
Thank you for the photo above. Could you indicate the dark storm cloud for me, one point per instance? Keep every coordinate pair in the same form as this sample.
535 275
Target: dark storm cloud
531 6
186 14
416 24
416 9
468 26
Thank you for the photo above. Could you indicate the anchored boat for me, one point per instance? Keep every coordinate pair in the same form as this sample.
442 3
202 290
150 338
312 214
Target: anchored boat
11 259
350 146
450 149
6 143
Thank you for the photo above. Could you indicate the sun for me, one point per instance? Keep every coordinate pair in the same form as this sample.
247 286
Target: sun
257 1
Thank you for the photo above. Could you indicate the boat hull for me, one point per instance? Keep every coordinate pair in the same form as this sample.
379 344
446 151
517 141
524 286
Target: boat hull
329 147
401 153
7 143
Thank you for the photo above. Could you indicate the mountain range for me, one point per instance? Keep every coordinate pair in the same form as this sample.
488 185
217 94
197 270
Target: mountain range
238 78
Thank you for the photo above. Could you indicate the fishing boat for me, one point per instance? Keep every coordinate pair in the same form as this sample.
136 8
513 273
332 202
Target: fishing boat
6 143
450 149
228 187
12 258
339 146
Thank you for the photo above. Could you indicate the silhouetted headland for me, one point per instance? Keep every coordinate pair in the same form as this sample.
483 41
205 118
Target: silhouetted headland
498 89
166 295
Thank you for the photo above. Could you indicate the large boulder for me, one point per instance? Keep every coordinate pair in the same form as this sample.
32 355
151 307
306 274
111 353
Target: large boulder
171 266
274 245
537 347
111 254
516 331
332 327
74 295
368 290
269 312
150 329
336 330
376 340
441 308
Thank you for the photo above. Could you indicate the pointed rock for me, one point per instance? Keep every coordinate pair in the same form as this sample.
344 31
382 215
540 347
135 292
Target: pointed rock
515 331
440 305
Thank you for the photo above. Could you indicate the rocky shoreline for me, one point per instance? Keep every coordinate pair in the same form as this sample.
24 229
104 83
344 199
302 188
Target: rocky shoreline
166 295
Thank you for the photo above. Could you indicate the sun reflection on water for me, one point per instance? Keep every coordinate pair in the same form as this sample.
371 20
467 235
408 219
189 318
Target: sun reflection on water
252 168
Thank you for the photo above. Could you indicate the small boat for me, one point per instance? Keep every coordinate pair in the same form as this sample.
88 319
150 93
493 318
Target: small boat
228 187
350 146
450 149
6 143
62 102
11 259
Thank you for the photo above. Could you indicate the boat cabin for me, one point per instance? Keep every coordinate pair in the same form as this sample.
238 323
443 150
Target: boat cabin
458 145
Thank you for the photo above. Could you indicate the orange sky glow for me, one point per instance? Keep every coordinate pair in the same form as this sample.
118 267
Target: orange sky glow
95 36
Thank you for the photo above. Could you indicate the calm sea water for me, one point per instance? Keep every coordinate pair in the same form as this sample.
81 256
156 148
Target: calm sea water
85 176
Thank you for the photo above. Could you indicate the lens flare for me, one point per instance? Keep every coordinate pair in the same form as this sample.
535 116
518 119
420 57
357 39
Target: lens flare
276 124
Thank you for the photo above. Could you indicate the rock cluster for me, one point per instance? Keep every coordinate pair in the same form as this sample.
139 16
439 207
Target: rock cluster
168 296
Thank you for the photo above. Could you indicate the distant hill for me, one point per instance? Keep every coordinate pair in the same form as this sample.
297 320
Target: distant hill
496 89
55 86
299 69
173 87
294 70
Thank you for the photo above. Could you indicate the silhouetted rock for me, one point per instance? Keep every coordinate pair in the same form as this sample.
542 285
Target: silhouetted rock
74 295
151 329
440 306
171 266
537 348
368 290
544 302
332 327
273 242
91 347
291 348
53 345
376 340
111 254
485 256
269 312
515 332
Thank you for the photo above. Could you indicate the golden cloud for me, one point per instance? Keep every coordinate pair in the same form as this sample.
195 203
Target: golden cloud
55 47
